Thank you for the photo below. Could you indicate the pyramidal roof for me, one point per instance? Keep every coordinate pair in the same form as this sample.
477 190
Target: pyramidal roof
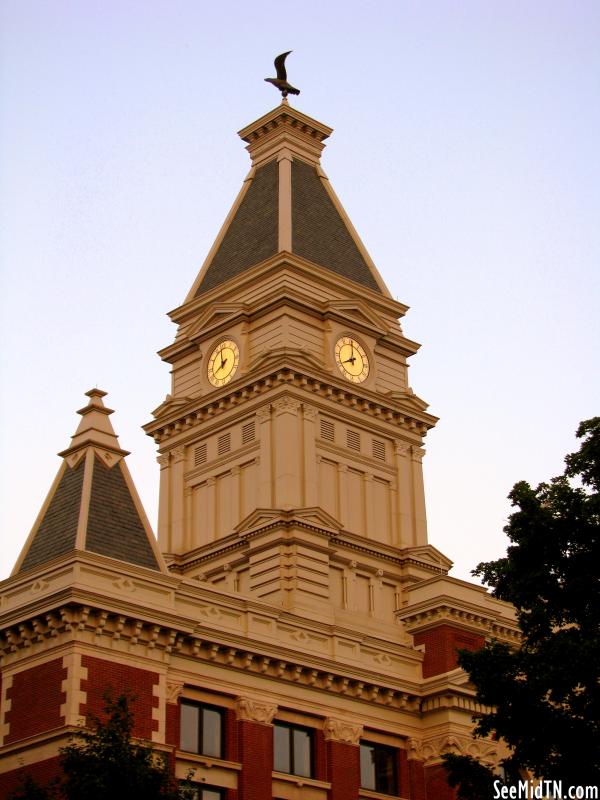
286 204
92 505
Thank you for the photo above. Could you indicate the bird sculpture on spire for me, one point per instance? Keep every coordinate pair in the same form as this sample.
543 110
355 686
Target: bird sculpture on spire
280 82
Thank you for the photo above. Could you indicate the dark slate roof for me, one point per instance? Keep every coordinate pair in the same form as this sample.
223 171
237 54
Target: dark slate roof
253 233
57 531
114 526
319 234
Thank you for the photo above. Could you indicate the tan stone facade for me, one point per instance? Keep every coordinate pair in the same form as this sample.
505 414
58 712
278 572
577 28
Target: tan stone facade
295 593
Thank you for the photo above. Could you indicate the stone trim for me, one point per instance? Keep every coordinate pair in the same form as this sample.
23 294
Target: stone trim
405 419
252 710
338 730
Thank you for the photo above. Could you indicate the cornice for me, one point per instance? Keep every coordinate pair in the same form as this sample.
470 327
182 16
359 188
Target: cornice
201 410
454 611
86 623
249 279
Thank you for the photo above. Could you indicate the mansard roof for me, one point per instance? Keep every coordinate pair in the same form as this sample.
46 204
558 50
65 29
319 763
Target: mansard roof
293 209
93 504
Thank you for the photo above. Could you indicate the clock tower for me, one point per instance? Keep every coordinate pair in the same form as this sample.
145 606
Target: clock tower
294 634
291 443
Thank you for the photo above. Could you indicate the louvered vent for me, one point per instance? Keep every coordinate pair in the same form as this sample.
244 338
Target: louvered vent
327 430
378 449
248 432
224 444
353 440
200 455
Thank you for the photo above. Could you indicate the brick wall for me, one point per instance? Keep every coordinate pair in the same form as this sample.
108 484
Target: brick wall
343 770
441 644
416 781
106 676
42 772
255 743
35 699
436 784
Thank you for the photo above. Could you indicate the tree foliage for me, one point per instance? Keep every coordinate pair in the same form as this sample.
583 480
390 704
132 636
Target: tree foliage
105 763
546 693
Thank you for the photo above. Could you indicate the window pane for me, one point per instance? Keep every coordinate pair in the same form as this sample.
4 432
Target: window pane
281 748
210 794
378 768
189 728
211 733
385 769
367 767
302 755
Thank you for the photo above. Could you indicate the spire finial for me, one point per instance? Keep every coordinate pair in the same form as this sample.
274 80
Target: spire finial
280 82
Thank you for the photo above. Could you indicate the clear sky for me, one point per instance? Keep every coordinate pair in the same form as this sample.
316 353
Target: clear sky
465 150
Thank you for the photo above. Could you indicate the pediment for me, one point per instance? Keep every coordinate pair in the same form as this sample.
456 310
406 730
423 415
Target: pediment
264 517
409 398
429 555
170 405
214 315
357 311
290 354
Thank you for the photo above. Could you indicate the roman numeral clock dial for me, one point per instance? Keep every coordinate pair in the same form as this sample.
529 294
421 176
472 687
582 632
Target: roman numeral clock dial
351 359
223 362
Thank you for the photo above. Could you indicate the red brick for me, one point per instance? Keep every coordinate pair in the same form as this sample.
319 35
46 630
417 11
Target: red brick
436 784
42 772
416 781
343 770
255 743
107 676
441 644
36 697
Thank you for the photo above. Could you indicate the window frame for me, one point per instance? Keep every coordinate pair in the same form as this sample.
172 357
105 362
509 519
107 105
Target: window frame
291 727
201 707
393 751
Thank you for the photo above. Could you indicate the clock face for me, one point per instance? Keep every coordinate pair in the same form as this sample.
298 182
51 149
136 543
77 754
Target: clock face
223 362
351 359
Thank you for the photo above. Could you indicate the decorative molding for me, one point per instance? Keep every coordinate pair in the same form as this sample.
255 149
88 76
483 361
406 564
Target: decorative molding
310 412
416 423
401 448
99 627
263 414
417 453
338 730
254 710
178 454
174 690
286 405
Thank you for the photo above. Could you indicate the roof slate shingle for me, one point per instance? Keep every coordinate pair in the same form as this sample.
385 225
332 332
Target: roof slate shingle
58 529
114 526
319 234
253 233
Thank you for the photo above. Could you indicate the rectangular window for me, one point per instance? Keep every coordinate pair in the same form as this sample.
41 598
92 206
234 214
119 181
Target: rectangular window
208 793
202 729
378 768
292 750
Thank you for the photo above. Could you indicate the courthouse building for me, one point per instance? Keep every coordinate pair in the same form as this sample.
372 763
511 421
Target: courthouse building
292 634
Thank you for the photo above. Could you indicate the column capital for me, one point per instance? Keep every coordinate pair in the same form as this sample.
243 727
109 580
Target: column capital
310 412
339 730
255 710
174 690
163 460
286 405
263 414
178 454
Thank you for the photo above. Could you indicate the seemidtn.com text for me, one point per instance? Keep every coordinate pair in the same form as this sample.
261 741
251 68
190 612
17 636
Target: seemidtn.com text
552 790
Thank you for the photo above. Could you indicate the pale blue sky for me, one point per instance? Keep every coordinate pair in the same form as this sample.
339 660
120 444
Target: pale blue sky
465 150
